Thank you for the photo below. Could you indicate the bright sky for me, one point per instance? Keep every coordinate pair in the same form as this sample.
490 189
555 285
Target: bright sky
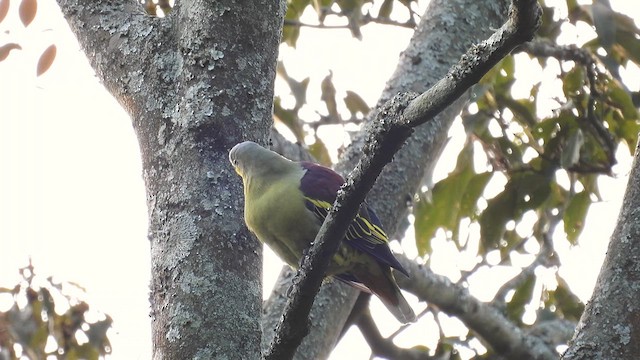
71 190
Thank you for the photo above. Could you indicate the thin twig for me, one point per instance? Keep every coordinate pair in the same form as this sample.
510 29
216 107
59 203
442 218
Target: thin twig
384 347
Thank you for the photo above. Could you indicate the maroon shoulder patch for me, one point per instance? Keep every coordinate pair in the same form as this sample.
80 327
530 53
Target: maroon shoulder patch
320 182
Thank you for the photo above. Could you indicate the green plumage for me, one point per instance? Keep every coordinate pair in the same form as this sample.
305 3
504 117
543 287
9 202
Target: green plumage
285 205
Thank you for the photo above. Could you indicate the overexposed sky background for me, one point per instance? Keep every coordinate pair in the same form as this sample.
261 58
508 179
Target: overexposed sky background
71 190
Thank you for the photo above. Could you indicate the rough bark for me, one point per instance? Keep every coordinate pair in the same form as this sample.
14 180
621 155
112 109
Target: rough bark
610 325
447 29
195 83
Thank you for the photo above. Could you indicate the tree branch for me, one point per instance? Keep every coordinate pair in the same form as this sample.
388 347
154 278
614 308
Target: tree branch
543 258
393 125
502 335
524 20
545 48
384 347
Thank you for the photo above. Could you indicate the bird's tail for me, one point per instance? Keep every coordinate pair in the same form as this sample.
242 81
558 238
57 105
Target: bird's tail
385 288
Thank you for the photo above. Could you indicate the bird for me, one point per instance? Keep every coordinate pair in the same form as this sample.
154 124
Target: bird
285 204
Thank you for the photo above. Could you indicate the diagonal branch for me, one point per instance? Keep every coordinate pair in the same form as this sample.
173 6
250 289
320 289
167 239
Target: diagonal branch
393 125
502 335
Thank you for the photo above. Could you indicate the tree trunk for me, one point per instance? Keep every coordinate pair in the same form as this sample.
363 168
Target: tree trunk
195 83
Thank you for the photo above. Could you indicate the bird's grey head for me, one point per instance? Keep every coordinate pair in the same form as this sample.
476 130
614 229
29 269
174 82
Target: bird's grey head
241 153
250 157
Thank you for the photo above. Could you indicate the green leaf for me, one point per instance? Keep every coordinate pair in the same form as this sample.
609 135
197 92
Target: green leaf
532 185
578 12
505 67
84 351
424 225
298 88
604 22
440 212
355 104
547 128
329 95
629 132
476 123
630 44
289 118
320 152
511 240
571 152
493 219
472 192
566 302
523 110
549 28
524 191
521 297
590 184
290 33
502 75
575 214
574 81
622 99
385 9
509 150
451 199
97 334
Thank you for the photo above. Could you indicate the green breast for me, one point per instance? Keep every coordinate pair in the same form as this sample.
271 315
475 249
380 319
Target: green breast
276 213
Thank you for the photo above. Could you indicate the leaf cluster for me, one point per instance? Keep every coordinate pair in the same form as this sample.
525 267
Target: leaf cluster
45 320
353 14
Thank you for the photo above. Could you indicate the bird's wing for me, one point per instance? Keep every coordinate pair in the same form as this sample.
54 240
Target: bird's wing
319 185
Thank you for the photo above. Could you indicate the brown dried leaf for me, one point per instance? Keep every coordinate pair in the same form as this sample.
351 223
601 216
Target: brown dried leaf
4 9
27 11
46 59
6 49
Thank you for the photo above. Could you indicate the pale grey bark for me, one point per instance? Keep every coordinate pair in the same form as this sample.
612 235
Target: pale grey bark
195 83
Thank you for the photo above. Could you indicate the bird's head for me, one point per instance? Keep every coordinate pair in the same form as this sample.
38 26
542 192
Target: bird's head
240 155
250 159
